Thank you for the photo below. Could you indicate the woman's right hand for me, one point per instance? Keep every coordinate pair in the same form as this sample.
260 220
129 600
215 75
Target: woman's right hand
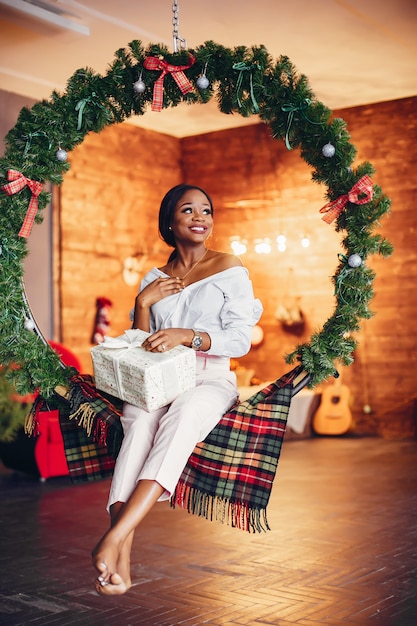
157 290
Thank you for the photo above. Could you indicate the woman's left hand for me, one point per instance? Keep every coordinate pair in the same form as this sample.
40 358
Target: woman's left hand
164 340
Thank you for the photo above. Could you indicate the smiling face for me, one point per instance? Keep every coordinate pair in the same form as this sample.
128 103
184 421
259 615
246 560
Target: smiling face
192 220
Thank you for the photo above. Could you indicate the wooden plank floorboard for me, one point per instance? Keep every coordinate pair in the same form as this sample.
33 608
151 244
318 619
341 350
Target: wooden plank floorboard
342 550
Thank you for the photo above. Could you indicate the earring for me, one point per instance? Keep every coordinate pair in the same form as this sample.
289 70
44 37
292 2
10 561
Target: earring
169 227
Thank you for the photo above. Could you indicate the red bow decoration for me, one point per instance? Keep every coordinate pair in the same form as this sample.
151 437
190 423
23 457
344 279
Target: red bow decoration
154 63
16 184
333 209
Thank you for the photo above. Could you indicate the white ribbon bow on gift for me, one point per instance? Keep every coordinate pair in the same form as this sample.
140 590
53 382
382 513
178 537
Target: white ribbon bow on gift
131 339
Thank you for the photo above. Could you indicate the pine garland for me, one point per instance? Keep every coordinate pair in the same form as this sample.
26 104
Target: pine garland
243 80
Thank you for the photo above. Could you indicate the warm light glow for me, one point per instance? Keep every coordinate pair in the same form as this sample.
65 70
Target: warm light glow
238 246
281 243
262 246
257 335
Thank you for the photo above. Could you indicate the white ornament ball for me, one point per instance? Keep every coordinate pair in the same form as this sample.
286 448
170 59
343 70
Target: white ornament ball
29 324
354 260
139 86
202 82
61 155
328 150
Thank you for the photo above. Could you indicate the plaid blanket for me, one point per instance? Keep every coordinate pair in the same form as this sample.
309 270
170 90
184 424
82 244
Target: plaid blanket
229 475
91 430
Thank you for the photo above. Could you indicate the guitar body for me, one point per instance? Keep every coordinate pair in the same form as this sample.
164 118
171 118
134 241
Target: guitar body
333 417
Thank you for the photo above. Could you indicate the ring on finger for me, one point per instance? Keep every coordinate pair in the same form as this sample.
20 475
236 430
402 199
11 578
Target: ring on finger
163 347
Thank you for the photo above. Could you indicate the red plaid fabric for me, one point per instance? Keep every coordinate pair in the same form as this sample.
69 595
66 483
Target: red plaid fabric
154 63
333 209
229 476
16 184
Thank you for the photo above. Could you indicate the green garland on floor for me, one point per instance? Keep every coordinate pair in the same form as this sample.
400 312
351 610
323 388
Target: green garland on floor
244 81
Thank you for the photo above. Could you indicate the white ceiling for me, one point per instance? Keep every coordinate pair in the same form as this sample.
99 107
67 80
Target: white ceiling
354 52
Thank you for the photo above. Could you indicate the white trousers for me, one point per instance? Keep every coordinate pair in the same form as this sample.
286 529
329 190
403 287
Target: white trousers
156 445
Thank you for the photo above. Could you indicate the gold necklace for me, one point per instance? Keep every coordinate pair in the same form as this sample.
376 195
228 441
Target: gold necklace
191 268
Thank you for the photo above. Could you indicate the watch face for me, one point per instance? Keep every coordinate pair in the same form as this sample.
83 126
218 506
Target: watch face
197 342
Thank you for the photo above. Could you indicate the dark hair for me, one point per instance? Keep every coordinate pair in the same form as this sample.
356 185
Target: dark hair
167 208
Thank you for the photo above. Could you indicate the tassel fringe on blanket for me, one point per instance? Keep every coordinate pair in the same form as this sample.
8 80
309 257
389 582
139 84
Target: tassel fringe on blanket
228 477
213 508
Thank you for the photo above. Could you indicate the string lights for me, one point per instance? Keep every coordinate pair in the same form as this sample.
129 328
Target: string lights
266 245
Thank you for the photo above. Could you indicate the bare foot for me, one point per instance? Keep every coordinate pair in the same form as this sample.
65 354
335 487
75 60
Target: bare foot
105 556
112 563
115 586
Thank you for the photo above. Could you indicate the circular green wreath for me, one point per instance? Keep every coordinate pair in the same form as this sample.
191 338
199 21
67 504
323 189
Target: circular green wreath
245 81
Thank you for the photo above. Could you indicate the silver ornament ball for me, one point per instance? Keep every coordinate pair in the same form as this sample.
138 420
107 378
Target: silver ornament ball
202 82
354 260
29 324
61 155
139 86
328 150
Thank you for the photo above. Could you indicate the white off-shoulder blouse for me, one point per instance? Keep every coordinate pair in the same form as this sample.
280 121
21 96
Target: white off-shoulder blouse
222 305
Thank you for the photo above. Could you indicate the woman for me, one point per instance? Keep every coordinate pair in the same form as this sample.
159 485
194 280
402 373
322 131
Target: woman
202 299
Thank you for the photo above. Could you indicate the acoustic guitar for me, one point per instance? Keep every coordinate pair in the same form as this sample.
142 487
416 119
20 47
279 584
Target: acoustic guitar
333 416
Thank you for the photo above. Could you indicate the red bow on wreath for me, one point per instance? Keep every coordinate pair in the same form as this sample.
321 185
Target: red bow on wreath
333 209
155 63
16 184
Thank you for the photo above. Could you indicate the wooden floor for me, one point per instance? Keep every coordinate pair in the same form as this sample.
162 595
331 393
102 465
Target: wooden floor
342 549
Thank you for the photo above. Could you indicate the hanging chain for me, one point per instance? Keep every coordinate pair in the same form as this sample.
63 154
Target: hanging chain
175 34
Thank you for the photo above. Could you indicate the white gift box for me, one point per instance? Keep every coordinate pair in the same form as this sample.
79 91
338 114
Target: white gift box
148 380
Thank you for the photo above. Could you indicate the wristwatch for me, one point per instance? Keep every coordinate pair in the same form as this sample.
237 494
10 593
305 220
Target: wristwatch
197 341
